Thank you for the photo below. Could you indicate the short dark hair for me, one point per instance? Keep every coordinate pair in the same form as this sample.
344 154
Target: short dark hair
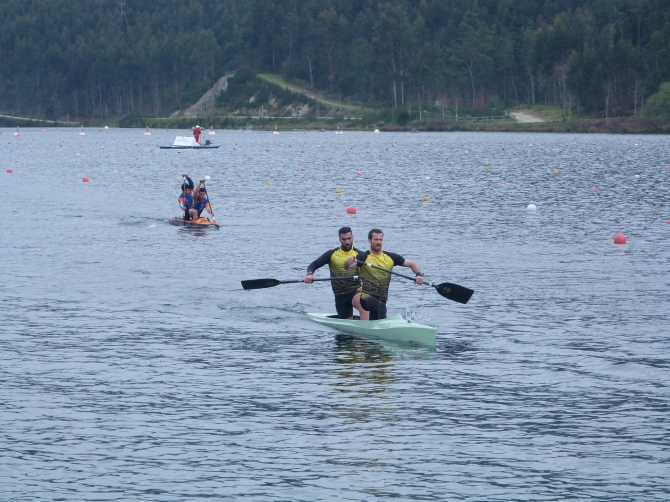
344 230
185 186
202 190
374 231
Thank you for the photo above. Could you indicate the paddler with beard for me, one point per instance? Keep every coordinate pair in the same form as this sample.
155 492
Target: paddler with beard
346 292
376 282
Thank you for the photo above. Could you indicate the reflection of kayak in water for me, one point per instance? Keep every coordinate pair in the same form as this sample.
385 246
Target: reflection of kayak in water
200 222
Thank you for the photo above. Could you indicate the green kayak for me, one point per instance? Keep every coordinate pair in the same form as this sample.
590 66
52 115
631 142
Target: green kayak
392 328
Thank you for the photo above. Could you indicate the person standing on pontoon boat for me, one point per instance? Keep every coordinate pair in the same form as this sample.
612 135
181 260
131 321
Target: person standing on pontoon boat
196 132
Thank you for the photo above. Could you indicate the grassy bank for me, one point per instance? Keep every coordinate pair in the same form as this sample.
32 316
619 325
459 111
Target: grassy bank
623 125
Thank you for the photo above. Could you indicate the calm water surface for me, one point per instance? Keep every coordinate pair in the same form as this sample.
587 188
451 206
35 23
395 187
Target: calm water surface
134 367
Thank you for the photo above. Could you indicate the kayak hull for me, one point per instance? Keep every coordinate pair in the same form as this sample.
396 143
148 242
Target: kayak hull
393 328
199 223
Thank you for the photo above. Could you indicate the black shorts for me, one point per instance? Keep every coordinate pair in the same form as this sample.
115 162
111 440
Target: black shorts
343 305
375 306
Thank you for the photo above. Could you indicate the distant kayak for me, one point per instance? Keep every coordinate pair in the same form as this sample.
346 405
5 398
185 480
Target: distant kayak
200 222
392 328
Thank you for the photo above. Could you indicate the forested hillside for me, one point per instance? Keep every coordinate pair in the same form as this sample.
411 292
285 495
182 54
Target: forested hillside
109 58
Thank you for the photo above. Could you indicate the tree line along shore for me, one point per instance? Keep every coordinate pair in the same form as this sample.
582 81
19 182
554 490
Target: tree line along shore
429 64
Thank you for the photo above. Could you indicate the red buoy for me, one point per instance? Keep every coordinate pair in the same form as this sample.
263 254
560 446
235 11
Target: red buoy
358 173
85 180
619 239
595 190
10 171
302 169
668 222
351 210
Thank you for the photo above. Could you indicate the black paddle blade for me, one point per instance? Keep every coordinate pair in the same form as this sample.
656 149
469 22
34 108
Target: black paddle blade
454 292
260 283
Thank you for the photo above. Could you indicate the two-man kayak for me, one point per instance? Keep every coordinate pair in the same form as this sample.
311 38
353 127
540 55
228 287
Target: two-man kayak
393 328
200 222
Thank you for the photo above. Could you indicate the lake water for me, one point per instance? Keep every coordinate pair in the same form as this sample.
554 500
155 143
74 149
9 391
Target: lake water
134 367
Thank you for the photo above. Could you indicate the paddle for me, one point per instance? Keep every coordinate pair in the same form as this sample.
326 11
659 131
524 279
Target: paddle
184 184
450 291
207 178
271 283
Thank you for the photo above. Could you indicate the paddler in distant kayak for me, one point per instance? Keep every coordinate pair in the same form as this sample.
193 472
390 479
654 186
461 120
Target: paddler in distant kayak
201 202
186 198
345 291
376 282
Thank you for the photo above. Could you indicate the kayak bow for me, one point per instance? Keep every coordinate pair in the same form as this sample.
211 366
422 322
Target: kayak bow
393 328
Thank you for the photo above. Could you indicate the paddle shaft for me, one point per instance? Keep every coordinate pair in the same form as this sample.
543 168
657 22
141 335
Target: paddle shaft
448 290
351 277
271 283
363 264
183 191
210 201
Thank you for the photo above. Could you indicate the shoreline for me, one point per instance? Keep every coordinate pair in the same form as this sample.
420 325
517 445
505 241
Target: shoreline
618 125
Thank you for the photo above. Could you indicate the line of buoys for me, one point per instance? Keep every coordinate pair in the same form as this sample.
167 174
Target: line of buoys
85 179
619 239
351 210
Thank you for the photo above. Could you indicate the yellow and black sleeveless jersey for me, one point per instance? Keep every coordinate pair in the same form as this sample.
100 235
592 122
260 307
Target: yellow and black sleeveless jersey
376 282
335 259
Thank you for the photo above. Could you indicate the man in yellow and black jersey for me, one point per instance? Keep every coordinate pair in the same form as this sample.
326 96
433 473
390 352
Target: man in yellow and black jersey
345 291
376 282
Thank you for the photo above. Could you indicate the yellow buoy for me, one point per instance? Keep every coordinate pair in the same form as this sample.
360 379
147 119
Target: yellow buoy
555 172
337 190
425 199
486 169
269 184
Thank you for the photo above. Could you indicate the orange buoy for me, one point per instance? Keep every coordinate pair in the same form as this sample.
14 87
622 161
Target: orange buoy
351 210
358 173
619 239
10 171
85 180
595 190
302 169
